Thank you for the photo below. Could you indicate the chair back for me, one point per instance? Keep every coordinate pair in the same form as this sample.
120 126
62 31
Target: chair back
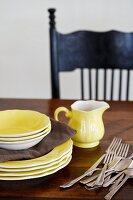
92 50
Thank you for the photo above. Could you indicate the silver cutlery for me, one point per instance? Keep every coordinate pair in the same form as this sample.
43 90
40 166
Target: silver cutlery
88 172
129 174
116 183
120 178
120 154
92 169
122 151
89 179
108 158
122 165
111 165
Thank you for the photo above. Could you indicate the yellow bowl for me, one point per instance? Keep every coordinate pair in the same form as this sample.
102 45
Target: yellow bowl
9 139
19 123
22 144
30 137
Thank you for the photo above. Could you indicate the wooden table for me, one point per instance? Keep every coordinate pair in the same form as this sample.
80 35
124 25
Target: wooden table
118 122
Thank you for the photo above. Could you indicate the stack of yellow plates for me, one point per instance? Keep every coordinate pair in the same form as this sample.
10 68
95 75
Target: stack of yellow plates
45 165
22 129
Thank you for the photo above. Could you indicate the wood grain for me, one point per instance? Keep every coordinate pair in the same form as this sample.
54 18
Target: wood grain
118 122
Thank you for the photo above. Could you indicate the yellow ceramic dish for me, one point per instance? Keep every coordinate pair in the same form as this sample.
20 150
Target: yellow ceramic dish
42 174
44 166
24 138
51 157
37 171
22 144
15 123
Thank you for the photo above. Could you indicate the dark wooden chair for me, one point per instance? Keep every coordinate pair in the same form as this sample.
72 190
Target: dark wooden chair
92 50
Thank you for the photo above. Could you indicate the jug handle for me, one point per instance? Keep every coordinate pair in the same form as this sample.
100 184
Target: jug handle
68 113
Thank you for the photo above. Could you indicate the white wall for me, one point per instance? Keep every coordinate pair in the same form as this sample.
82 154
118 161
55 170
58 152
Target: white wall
24 39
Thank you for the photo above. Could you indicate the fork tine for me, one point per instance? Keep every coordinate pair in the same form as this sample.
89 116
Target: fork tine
111 157
114 139
109 148
115 149
119 150
115 152
122 151
113 143
116 144
106 157
125 151
112 150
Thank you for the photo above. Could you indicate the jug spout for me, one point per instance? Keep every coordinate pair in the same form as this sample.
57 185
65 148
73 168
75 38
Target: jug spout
90 106
103 106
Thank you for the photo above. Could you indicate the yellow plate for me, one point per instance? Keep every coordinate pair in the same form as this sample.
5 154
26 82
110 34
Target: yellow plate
42 174
16 123
44 166
52 156
37 171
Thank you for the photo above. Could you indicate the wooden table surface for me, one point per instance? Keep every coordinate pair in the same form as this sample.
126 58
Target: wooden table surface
118 122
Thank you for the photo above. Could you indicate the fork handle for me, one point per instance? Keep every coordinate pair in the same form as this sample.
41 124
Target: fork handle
88 172
72 182
101 176
89 179
112 192
117 182
131 156
106 184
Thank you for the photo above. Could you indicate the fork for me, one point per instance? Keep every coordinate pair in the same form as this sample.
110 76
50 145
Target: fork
121 152
100 177
127 161
121 177
113 144
129 174
108 158
92 169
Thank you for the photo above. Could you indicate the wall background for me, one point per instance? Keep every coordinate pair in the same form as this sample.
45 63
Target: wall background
24 40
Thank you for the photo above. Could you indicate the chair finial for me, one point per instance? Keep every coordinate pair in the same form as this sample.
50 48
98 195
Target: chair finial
52 17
